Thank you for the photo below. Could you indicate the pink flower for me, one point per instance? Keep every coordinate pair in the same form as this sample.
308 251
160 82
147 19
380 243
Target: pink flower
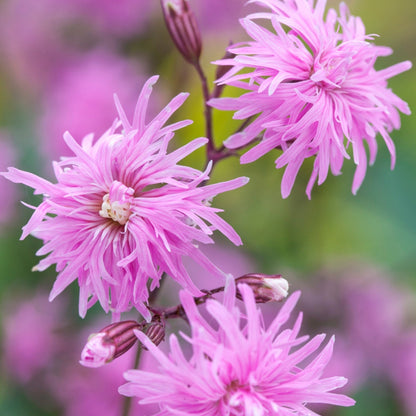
218 16
313 88
123 211
31 40
121 18
237 367
367 311
8 190
31 338
80 98
38 39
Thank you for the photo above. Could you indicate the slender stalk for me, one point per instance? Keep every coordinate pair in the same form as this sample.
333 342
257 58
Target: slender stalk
207 109
178 311
213 153
127 400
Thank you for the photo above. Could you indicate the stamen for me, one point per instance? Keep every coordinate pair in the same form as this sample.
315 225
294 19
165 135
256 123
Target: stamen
116 204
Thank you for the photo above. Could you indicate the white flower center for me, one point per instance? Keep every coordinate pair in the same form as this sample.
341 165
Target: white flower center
117 203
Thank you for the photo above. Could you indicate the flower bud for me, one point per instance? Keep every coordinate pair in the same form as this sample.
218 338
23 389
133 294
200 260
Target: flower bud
111 342
156 331
183 29
266 288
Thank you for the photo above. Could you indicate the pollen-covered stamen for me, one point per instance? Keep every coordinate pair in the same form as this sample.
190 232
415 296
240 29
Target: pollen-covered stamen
116 204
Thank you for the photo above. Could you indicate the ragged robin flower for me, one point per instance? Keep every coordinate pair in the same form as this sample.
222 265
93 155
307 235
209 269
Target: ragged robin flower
123 211
313 90
237 366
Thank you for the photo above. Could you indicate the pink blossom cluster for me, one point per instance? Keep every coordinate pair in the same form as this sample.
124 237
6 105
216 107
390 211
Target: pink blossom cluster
340 301
80 100
38 39
371 316
123 18
125 213
40 348
68 61
31 339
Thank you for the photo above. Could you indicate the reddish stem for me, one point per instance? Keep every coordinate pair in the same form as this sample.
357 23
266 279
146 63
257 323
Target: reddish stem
178 310
207 109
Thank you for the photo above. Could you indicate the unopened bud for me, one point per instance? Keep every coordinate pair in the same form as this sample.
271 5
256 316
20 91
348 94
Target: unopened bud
266 288
183 29
155 331
111 342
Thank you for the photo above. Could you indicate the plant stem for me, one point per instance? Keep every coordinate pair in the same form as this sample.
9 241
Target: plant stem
127 400
178 311
207 109
213 153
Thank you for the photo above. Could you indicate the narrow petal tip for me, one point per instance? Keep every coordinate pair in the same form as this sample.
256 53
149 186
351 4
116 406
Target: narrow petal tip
234 141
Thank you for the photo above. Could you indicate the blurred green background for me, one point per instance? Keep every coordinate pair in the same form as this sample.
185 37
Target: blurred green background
295 237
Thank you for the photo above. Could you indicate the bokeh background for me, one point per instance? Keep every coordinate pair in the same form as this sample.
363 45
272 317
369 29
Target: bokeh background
354 257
